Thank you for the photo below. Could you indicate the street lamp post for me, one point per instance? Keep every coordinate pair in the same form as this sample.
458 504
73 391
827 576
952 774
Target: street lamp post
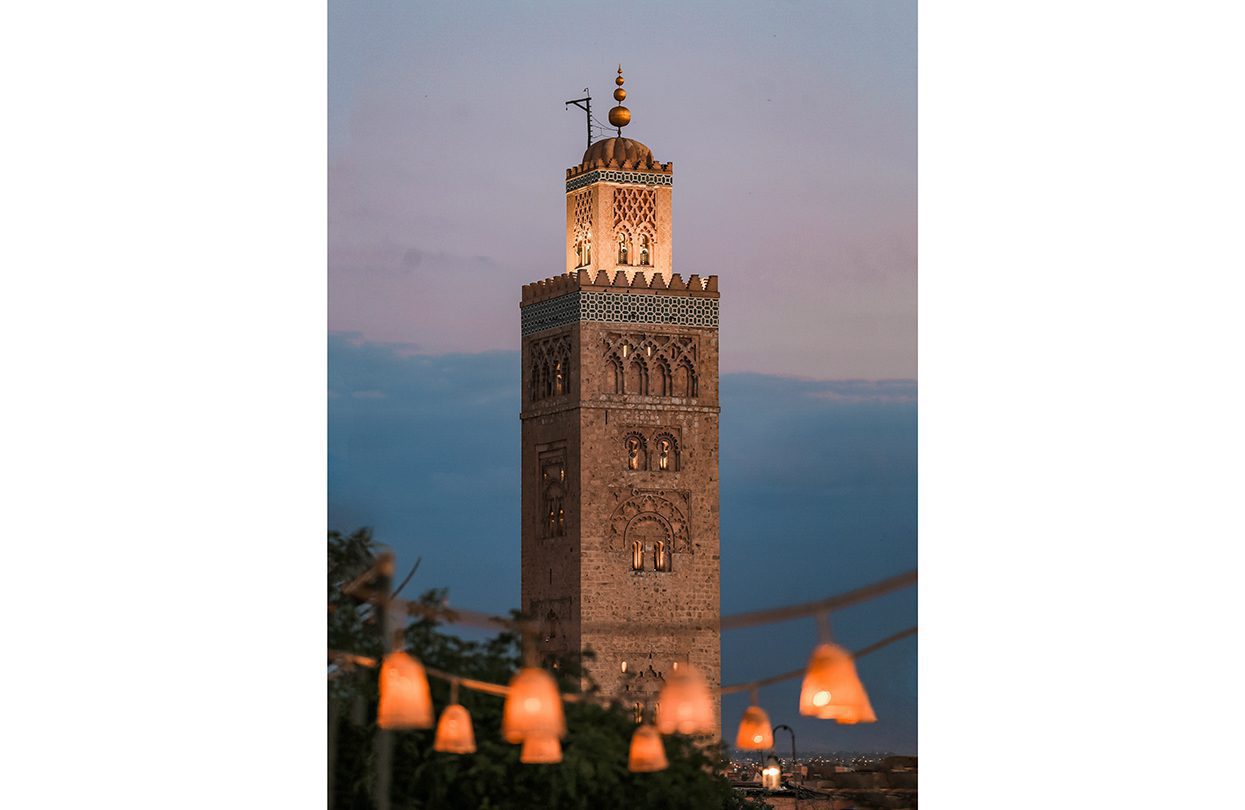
793 765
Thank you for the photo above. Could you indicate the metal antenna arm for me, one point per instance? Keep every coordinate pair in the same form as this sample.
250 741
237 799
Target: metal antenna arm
584 104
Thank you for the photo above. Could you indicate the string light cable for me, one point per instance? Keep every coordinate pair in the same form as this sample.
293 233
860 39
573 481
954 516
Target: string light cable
533 714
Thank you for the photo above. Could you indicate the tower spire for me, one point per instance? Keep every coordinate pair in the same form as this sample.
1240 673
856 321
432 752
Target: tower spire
620 116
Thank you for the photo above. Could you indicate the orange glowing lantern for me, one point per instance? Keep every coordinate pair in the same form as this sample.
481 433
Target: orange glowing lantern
454 732
405 701
540 749
533 706
685 704
648 754
755 731
832 690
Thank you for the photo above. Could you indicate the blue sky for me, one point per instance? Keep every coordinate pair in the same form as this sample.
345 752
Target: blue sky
792 127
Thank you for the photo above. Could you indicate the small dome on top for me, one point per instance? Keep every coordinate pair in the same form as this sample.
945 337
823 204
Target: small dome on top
618 150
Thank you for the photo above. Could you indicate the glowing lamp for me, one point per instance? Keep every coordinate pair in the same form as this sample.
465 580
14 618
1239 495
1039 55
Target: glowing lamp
540 749
755 731
405 701
832 690
454 732
533 706
648 754
685 704
771 774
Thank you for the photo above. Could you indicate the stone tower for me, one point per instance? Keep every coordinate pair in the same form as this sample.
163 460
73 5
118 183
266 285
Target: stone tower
620 436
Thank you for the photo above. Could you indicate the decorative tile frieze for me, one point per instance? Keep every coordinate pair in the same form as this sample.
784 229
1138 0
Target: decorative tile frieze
614 176
609 307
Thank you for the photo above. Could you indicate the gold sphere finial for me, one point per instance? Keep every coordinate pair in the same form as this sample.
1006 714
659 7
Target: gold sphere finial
620 116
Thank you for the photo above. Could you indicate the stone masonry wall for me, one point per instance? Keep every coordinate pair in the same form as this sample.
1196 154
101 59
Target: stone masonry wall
639 426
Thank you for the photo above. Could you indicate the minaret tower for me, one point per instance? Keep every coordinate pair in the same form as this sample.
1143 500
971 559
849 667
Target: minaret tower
620 433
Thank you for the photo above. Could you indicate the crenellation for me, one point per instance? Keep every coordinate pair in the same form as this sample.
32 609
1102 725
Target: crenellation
643 167
634 281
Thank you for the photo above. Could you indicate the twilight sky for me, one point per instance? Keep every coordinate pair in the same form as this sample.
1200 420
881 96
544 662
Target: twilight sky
792 128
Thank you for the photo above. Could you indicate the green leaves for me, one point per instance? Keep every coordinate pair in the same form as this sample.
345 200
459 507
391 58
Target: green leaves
593 773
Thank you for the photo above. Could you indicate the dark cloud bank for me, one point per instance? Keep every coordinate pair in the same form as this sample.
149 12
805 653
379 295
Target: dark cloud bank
818 496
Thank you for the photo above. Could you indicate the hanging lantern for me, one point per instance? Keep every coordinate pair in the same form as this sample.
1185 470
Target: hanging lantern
755 732
540 748
832 690
685 704
533 705
648 753
405 701
454 732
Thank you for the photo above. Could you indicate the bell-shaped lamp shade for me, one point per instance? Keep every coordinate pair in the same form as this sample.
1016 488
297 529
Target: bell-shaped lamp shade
454 732
405 701
648 753
832 690
685 704
533 706
540 749
755 732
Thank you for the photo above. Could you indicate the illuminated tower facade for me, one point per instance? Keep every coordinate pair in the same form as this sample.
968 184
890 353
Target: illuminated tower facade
620 410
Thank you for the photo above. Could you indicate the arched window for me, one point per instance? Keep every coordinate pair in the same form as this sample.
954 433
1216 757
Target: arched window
555 517
664 380
546 380
616 367
644 252
637 451
637 556
559 379
622 248
661 556
685 382
637 378
665 453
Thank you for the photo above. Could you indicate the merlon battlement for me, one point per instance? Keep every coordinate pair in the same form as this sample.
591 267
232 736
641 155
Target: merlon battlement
626 165
635 281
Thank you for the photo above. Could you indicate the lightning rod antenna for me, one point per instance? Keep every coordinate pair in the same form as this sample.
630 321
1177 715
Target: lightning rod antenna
584 104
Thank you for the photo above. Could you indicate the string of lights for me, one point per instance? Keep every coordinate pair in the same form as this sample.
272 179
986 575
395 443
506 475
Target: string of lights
499 690
449 615
795 673
533 716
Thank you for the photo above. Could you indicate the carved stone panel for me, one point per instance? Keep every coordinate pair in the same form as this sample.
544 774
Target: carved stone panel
649 516
553 490
651 364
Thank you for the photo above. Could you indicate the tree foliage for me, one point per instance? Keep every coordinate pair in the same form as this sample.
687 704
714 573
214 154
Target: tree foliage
593 773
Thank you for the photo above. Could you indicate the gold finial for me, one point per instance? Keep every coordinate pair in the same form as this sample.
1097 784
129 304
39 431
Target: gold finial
620 116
